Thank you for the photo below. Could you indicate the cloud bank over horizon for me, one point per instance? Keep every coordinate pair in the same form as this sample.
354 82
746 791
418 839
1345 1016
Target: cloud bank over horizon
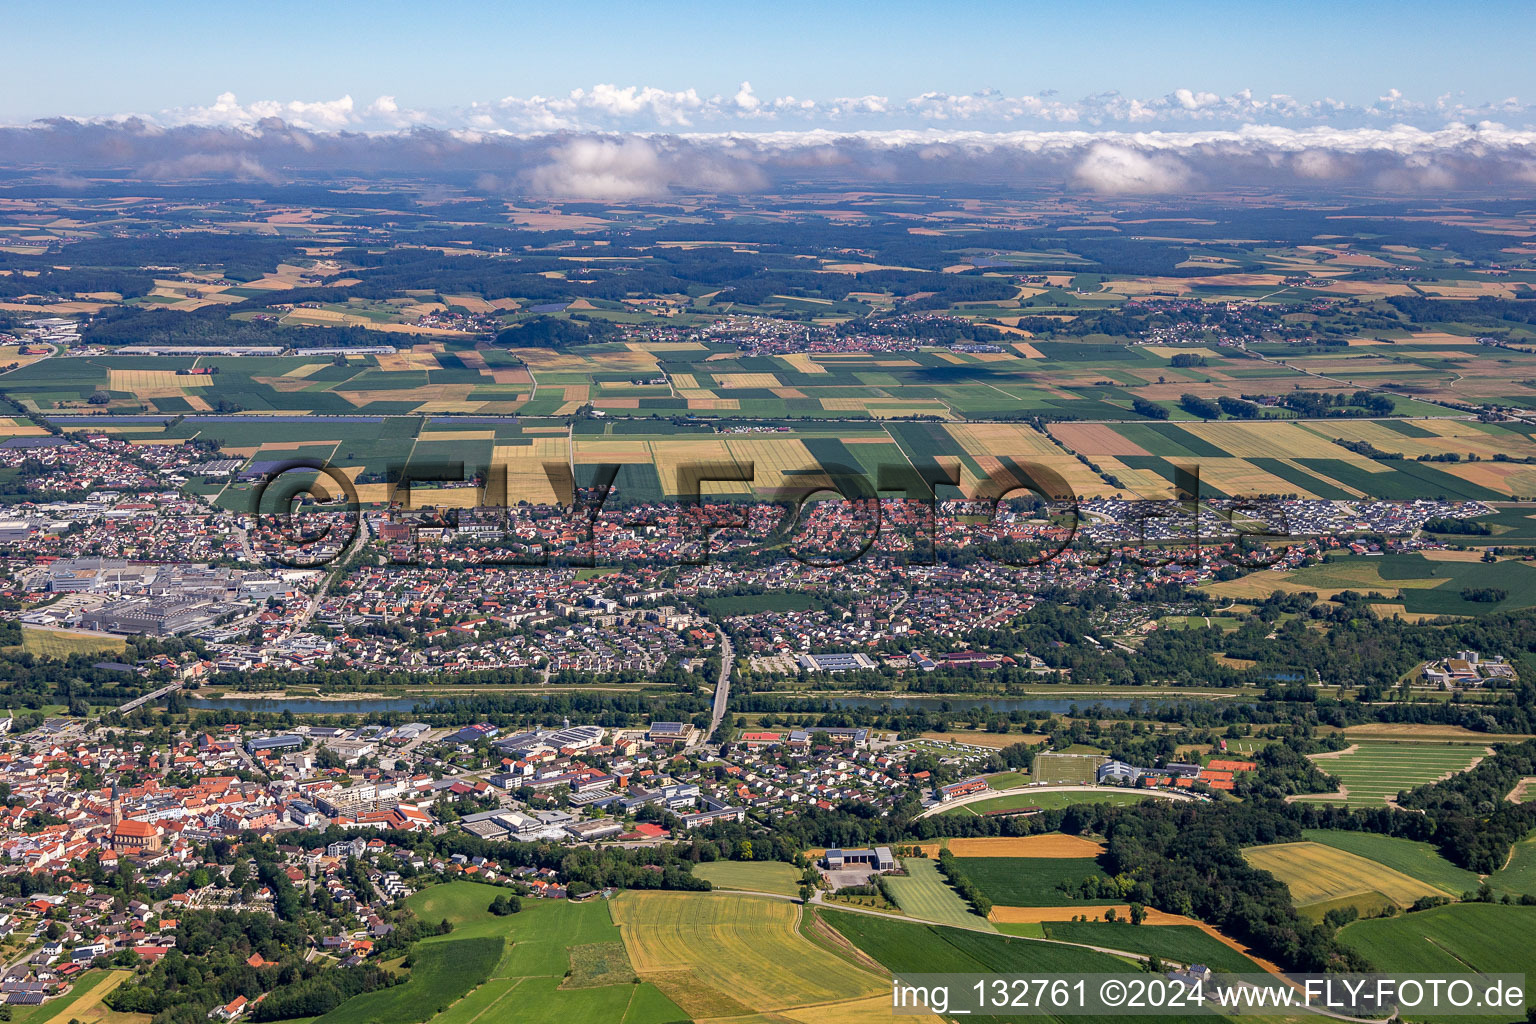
607 107
618 145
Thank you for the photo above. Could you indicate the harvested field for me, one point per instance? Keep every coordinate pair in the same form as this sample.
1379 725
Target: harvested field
1281 439
1049 846
1096 439
526 479
1315 872
141 381
748 380
748 947
803 362
419 357
1010 440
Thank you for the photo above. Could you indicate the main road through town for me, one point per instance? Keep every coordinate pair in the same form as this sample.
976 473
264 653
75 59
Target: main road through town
722 685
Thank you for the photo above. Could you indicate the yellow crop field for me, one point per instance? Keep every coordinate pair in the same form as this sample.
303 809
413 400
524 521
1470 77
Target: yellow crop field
433 397
526 479
684 380
306 369
1511 478
89 1008
420 357
669 454
1281 439
1460 436
666 346
745 948
1169 351
804 362
897 409
778 463
748 380
1243 479
1316 873
1002 440
139 381
614 452
1064 478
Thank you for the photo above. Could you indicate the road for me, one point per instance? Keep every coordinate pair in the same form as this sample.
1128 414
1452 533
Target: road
723 684
992 794
139 702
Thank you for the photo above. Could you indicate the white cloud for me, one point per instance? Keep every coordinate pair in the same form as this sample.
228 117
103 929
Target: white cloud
609 107
211 165
745 99
540 144
1119 170
618 170
601 169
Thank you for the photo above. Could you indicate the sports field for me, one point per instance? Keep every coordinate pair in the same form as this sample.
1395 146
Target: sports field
1316 873
1373 773
1068 768
719 955
924 894
1008 780
757 876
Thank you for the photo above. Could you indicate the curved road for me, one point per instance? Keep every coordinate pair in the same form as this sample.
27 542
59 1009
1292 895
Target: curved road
993 793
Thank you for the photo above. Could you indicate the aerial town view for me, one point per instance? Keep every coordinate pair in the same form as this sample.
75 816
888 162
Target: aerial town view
767 514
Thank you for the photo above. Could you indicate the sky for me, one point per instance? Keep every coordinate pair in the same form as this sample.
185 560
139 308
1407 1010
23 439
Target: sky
606 100
170 60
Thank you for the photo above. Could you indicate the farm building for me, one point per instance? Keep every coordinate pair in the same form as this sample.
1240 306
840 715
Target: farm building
880 858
